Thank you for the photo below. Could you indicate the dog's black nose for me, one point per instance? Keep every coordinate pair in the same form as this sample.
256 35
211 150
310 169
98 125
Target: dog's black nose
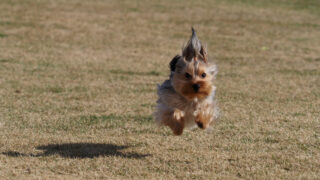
196 87
200 125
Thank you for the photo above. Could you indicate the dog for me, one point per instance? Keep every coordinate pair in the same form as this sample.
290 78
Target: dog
187 98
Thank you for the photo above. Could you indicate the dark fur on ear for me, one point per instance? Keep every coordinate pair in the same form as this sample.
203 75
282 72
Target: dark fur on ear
173 63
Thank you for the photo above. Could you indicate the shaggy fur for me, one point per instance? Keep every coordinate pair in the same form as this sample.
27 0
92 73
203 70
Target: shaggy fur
187 97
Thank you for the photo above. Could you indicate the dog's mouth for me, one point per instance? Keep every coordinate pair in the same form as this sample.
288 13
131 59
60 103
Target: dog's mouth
199 95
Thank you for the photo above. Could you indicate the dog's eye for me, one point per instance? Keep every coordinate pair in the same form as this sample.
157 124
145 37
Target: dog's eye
187 75
203 75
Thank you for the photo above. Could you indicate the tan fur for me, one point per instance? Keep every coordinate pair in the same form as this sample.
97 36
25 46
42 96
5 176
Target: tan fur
180 105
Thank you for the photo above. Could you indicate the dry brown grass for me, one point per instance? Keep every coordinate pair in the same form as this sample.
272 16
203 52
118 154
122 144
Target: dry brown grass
78 80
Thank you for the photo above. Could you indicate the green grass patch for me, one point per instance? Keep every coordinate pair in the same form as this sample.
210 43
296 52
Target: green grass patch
3 35
108 121
312 59
6 60
56 89
144 90
147 105
298 114
142 119
270 140
16 24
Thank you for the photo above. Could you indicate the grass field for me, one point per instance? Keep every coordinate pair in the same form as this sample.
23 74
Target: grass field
78 88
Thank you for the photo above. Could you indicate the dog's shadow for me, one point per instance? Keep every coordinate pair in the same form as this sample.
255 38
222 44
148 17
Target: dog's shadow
80 150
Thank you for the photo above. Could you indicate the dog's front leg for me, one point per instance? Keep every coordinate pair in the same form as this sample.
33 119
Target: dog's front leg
175 120
204 115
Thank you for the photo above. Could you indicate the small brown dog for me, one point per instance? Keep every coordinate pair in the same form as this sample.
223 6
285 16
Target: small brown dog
187 97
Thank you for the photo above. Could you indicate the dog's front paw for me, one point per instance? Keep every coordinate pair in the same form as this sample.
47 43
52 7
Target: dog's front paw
204 116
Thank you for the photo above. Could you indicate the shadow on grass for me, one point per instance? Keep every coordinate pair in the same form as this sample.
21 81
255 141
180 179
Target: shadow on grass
80 150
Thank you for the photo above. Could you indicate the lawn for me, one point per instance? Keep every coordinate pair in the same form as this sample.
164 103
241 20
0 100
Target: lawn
78 89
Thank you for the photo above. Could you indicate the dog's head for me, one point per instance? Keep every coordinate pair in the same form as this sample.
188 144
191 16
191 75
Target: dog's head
191 73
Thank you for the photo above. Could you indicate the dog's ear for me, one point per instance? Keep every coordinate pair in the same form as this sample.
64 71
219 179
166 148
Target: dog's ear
213 70
203 54
194 49
173 63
